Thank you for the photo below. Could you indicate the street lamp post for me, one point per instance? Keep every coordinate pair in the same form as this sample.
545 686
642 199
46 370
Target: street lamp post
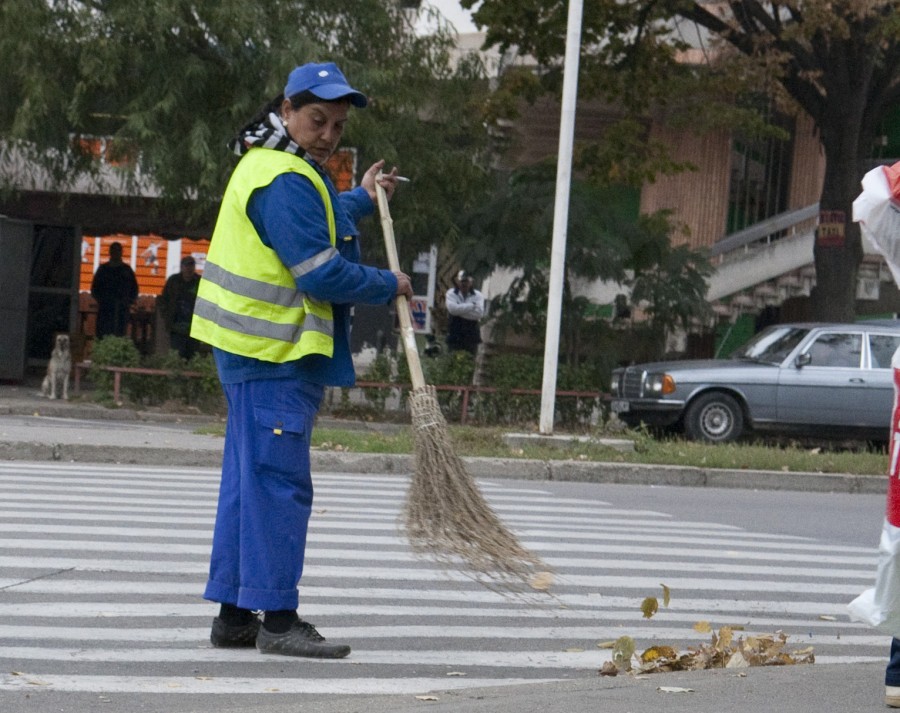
561 215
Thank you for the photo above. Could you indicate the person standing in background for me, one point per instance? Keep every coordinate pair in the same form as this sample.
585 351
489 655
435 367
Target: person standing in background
465 307
115 288
177 306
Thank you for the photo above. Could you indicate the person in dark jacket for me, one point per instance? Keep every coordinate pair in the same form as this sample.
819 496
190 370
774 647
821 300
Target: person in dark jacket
177 306
115 288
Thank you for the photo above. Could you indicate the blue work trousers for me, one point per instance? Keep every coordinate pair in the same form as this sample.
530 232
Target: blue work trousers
892 674
266 494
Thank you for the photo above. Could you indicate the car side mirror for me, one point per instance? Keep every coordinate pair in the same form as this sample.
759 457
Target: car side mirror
803 360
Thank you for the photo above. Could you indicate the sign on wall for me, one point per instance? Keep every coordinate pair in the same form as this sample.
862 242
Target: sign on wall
424 280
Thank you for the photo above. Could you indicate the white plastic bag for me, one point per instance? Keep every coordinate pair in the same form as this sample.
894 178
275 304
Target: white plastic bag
880 605
877 210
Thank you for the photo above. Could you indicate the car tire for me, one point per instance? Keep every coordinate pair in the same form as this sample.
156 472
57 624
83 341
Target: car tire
714 418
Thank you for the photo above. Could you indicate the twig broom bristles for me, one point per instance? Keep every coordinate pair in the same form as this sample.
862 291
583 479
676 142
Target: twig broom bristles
446 516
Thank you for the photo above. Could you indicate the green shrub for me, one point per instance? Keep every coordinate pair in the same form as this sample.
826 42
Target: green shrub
380 370
451 369
203 392
506 372
111 351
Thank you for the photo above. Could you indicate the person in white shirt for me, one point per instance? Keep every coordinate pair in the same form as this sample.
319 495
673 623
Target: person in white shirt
465 305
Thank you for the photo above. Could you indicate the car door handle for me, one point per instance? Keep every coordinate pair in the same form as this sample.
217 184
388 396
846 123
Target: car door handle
857 380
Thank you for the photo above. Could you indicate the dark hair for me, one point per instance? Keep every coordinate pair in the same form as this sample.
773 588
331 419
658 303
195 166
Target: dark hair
307 97
274 105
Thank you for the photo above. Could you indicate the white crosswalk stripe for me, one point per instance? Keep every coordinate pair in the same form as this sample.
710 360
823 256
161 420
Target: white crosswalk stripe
106 564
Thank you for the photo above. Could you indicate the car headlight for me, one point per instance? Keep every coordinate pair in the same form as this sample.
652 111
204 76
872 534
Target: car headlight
659 384
615 383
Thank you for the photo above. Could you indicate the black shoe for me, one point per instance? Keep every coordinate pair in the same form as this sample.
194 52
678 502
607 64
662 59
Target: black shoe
231 636
301 639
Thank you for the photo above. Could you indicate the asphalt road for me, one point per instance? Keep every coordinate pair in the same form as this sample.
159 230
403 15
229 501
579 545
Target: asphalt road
101 567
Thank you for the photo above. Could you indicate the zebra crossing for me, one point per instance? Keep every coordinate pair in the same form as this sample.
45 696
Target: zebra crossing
102 568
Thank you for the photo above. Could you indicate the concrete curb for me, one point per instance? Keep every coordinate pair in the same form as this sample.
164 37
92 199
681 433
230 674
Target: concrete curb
209 455
161 444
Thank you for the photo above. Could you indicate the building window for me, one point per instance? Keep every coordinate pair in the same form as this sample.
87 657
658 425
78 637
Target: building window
760 177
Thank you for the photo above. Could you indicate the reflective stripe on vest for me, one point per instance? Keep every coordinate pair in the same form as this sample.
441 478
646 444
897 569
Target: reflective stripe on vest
248 302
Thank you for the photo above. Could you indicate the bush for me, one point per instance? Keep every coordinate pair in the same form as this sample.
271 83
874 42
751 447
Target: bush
506 372
380 370
451 369
111 351
203 392
517 371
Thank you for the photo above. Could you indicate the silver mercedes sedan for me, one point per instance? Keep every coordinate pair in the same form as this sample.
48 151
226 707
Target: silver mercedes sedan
812 379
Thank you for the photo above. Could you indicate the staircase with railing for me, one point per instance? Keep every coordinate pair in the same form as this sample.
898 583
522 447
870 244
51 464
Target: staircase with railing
771 261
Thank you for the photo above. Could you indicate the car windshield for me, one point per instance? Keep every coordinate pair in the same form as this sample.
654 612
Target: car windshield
772 345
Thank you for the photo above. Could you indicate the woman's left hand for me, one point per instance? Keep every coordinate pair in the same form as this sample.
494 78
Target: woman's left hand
388 181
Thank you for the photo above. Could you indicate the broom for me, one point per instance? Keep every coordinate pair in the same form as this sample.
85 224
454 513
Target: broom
446 516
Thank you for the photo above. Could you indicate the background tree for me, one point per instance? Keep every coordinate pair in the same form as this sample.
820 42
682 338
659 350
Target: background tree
837 60
171 81
513 230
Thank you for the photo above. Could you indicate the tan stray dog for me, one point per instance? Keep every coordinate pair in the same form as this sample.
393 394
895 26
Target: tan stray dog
56 383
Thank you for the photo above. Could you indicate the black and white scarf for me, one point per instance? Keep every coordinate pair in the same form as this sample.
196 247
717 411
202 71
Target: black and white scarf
270 133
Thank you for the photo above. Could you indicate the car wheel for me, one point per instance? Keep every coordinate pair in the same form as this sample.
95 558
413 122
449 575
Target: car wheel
715 418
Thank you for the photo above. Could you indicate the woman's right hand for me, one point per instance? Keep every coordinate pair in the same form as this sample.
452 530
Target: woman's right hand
404 284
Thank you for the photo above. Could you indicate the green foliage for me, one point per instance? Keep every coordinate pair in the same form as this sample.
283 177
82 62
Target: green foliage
201 392
817 57
172 82
488 442
111 351
504 372
519 371
452 369
514 227
380 370
668 283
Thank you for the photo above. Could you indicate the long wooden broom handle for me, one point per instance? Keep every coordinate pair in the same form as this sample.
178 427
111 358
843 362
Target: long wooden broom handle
410 347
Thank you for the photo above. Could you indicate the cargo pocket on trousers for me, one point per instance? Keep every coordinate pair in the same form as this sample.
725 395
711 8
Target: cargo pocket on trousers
281 440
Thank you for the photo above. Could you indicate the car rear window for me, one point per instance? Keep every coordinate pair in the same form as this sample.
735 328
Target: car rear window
882 348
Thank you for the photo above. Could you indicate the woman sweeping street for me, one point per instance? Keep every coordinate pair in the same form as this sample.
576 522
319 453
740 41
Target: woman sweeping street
281 275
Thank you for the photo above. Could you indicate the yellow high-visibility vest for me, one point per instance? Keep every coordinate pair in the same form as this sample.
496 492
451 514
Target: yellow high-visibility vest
248 302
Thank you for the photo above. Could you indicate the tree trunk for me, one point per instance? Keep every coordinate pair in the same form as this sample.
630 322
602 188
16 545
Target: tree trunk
838 247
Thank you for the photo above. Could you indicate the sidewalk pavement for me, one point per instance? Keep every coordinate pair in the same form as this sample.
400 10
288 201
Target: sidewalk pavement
34 428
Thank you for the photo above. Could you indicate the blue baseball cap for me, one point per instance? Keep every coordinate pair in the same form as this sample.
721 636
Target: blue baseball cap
325 81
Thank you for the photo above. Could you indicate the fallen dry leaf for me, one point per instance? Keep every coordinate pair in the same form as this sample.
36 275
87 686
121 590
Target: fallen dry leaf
723 651
737 660
609 669
456 673
674 689
649 607
667 594
623 650
605 644
702 627
427 698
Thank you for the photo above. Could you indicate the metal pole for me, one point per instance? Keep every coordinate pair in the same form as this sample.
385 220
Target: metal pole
561 214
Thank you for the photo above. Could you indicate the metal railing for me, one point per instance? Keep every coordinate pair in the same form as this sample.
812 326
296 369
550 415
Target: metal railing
465 390
775 228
